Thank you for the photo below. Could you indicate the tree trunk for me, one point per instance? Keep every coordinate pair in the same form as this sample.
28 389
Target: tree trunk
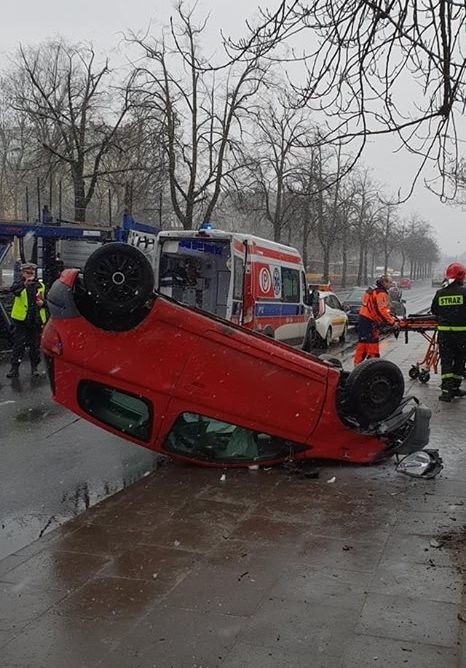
277 231
361 264
79 200
128 200
365 276
306 233
326 269
344 266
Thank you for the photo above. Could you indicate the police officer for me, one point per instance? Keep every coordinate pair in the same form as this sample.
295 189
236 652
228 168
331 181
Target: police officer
449 305
374 313
28 315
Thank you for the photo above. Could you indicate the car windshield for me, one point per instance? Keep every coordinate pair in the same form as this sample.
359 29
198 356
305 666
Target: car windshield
203 438
355 295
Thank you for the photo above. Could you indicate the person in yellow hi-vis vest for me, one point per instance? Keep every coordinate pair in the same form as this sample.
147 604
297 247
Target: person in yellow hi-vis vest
28 315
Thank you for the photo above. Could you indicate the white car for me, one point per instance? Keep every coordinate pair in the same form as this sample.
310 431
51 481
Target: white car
332 321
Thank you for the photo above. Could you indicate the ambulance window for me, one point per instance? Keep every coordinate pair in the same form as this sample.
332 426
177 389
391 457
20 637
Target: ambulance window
290 282
238 276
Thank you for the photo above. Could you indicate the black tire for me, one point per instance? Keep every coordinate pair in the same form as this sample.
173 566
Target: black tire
424 377
309 338
344 336
373 391
413 373
119 278
326 342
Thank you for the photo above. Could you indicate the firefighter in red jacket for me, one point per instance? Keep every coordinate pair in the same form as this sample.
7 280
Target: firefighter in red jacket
374 312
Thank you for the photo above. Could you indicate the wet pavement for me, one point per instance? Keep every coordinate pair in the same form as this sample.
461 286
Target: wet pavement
53 466
357 567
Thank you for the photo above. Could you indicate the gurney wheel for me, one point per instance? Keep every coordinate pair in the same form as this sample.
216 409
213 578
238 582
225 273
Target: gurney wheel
424 377
413 372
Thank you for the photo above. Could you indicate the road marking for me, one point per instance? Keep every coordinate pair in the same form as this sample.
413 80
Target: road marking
4 403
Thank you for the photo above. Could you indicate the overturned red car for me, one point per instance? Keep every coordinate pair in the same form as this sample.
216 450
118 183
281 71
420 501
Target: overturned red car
198 388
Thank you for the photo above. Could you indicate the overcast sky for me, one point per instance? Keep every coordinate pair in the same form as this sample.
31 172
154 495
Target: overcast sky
104 22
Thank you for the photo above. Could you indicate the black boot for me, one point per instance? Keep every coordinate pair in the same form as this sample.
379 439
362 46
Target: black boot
457 392
13 372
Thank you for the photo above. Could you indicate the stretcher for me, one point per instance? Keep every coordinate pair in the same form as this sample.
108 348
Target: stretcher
426 325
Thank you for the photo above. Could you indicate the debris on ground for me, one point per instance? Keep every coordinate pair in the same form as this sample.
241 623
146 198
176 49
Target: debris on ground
435 543
302 469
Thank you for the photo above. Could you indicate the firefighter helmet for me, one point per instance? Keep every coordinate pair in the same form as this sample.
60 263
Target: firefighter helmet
455 272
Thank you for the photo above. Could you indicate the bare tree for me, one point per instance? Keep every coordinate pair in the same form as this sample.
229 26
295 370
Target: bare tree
15 137
420 247
135 169
331 201
376 67
276 134
388 232
201 113
64 94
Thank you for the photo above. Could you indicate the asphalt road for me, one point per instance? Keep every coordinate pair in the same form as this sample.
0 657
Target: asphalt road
53 466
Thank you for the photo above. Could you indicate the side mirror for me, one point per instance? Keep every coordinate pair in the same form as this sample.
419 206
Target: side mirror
307 298
421 464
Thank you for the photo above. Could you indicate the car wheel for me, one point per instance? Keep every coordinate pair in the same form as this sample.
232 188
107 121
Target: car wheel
309 338
119 278
328 338
344 336
373 391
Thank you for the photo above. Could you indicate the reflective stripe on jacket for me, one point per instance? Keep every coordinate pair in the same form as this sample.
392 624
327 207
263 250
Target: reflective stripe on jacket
449 305
19 309
376 306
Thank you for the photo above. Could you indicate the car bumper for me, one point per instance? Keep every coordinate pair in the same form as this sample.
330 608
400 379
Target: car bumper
352 318
407 430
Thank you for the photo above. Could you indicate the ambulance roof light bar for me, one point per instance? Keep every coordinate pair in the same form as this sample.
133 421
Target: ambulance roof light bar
204 228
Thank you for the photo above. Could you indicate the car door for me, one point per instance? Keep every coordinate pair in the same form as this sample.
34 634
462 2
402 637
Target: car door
337 315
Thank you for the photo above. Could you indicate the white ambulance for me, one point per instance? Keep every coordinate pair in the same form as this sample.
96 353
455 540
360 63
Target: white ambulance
253 282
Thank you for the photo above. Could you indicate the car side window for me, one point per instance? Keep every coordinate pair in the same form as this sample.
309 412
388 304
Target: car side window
118 409
333 302
337 303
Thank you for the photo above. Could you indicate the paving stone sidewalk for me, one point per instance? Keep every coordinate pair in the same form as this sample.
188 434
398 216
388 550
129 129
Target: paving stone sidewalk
264 569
